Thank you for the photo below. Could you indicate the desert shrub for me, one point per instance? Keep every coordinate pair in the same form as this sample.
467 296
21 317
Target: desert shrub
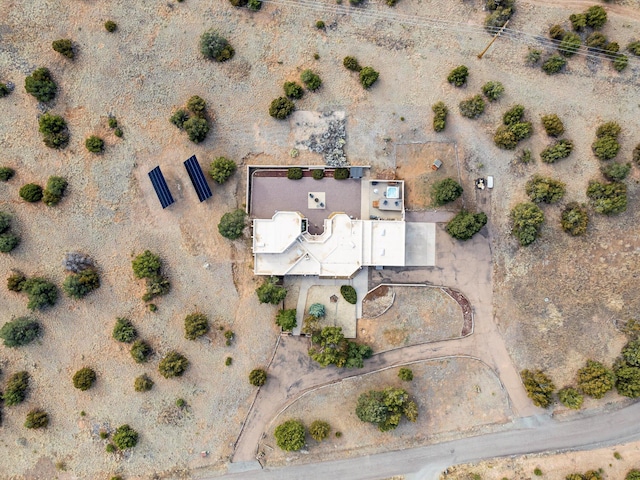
146 265
445 191
537 472
368 76
578 21
351 63
608 129
320 25
94 144
539 387
608 198
142 383
632 475
620 62
386 408
197 106
294 173
554 64
627 379
574 219
472 107
140 351
290 435
8 241
545 189
493 90
615 171
557 151
319 430
329 347
195 325
31 192
179 117
526 219
254 5
281 108
5 221
238 3
257 377
270 292
16 389
631 353
605 148
112 122
570 44
595 380
125 437
458 76
440 112
215 47
311 80
15 281
40 84
4 90
173 364
349 294
197 129
317 173
232 224
41 293
571 398
37 419
54 191
466 224
552 125
6 174
84 378
110 26
286 319
118 132
293 90
501 11
221 169
405 374
228 361
557 32
595 17
317 310
19 332
124 331
533 56
596 41
514 115
64 47
341 174
79 285
229 336
54 130
111 448
634 47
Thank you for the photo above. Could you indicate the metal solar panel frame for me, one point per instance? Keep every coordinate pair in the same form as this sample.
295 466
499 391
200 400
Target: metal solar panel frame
197 178
161 187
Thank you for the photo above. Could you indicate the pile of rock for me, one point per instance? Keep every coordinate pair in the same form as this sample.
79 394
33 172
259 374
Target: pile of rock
330 143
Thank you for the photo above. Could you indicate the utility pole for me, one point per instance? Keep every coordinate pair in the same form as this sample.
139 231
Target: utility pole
493 39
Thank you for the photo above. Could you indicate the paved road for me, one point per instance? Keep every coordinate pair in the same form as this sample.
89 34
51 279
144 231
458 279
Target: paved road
529 435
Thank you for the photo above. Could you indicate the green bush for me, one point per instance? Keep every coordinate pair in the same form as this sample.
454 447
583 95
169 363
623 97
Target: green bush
238 3
466 224
8 241
179 117
221 169
554 64
215 47
118 132
539 387
368 76
514 115
54 131
574 219
229 336
37 419
257 377
351 63
320 25
19 332
405 374
595 379
228 361
386 408
113 122
290 435
140 351
632 475
620 62
505 138
195 325
143 383
40 84
15 281
570 44
552 125
5 221
493 90
294 173
596 41
64 47
281 108
270 292
557 151
254 5
197 106
458 76
596 17
6 174
286 319
197 129
500 12
84 378
445 191
293 90
440 112
472 107
634 47
232 224
537 472
607 198
317 173
526 219
571 398
615 171
110 26
578 21
54 191
533 56
125 437
79 285
627 379
349 294
16 389
556 32
608 129
545 189
311 80
4 90
173 364
94 144
124 331
317 310
341 173
146 265
329 347
631 353
605 148
41 293
319 430
31 192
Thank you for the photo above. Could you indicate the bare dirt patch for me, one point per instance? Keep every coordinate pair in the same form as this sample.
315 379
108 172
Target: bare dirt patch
337 314
377 301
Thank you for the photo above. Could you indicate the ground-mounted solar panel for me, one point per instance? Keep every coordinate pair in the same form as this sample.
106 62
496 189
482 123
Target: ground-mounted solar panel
161 187
197 178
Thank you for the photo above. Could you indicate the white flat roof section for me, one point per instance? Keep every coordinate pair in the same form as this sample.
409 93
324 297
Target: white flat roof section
276 234
420 244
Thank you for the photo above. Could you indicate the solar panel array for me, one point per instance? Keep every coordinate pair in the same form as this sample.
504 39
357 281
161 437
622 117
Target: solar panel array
197 178
161 187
